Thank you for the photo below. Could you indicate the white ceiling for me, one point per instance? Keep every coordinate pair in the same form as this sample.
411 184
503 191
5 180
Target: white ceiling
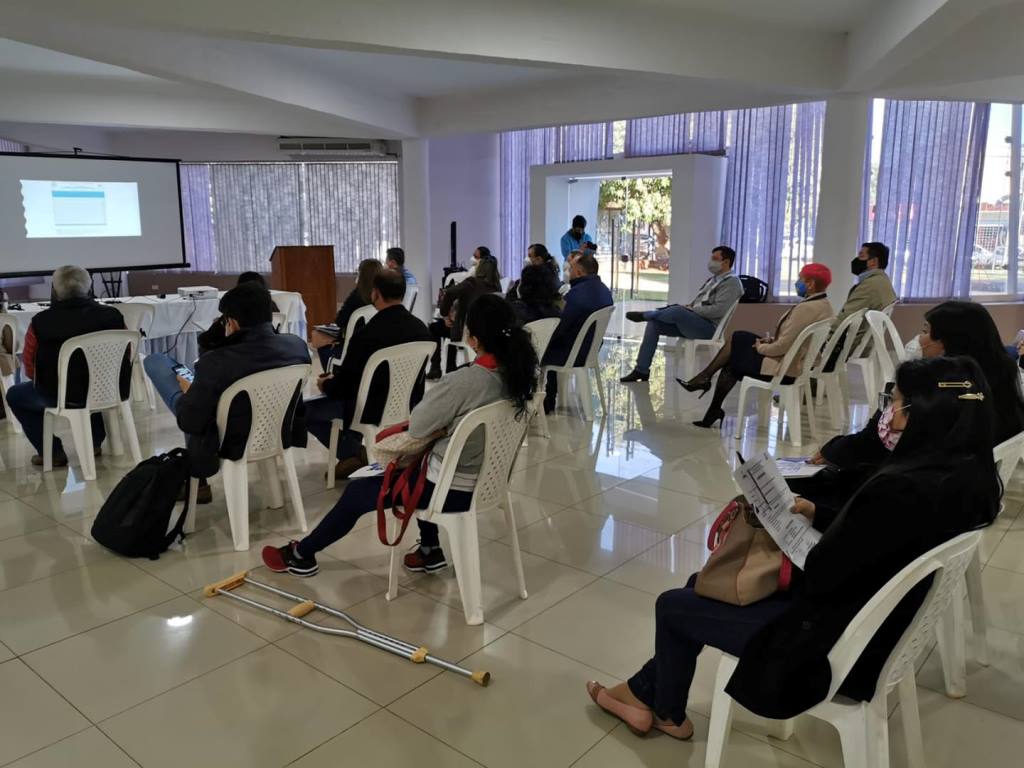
405 68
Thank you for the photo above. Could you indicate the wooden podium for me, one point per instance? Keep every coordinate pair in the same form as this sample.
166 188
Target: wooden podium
308 270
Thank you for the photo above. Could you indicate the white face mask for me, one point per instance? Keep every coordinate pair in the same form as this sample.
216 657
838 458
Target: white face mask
715 267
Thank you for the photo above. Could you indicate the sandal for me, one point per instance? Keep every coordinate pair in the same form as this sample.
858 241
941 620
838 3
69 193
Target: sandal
639 721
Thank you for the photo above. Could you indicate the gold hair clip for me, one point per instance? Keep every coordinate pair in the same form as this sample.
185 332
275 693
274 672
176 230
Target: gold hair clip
956 385
980 396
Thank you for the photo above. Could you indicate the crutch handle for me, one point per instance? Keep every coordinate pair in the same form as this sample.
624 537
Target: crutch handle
301 609
419 655
481 678
227 584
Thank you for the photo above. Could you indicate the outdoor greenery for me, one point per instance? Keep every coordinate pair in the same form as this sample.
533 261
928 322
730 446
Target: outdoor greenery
647 200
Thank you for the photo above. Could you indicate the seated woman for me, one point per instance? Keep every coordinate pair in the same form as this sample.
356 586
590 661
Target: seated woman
538 294
505 368
455 302
938 482
951 328
747 355
327 346
537 254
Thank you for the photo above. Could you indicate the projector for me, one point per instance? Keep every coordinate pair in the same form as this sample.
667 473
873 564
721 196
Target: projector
198 292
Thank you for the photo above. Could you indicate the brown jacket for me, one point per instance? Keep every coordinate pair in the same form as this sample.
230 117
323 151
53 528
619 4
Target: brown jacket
808 311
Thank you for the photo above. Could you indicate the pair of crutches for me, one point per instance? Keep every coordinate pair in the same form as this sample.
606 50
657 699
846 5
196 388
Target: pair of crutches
303 606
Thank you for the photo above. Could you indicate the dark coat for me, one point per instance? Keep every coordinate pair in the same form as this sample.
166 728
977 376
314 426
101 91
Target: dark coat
587 295
461 296
248 351
895 517
64 320
352 302
528 311
391 326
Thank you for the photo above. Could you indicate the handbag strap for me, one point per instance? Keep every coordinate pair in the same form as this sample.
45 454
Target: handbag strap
785 574
720 528
405 496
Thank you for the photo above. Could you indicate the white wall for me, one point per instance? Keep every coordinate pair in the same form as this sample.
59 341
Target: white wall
58 138
414 191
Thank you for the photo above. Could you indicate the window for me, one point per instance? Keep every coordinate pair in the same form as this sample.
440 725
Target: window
236 213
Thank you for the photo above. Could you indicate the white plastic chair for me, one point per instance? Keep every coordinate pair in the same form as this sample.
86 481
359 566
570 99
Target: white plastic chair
278 320
462 349
409 300
456 277
270 392
888 308
9 329
599 322
864 725
503 434
139 317
690 347
103 352
790 395
835 384
356 320
889 349
405 364
505 283
541 332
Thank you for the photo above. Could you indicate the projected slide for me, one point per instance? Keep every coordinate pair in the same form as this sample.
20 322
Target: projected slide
80 208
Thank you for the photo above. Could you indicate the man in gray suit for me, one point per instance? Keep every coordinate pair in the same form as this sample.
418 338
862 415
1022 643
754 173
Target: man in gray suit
696 320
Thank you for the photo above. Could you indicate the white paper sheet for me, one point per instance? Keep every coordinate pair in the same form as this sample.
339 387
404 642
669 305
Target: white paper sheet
766 490
791 468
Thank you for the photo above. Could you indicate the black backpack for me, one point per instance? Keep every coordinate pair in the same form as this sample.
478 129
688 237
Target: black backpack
135 518
755 290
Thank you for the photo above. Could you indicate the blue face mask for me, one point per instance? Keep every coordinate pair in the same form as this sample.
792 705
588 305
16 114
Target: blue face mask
801 288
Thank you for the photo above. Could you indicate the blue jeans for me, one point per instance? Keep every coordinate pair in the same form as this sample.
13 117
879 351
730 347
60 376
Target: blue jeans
28 404
674 321
160 369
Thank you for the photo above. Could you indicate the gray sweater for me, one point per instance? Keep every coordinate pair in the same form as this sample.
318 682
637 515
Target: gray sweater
444 406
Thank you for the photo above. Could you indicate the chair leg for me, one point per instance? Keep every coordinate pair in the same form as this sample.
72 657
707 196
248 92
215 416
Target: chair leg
130 433
790 401
47 440
689 359
951 648
268 468
582 376
148 384
113 433
291 477
721 715
193 494
741 414
911 721
853 736
976 597
332 452
541 418
517 555
236 495
780 729
394 567
805 392
138 387
81 434
600 391
462 535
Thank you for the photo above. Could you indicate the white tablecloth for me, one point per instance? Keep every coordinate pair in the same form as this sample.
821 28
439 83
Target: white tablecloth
188 317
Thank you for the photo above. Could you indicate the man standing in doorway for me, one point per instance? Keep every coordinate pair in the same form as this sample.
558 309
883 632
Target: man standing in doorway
576 239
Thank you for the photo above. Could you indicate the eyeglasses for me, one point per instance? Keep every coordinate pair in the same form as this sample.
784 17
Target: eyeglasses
885 399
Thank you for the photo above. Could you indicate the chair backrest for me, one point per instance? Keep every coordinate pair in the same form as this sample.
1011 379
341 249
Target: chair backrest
505 283
541 332
599 322
271 394
405 364
455 277
719 333
813 339
356 320
409 300
278 319
503 436
847 330
9 334
888 308
1007 454
948 562
104 353
137 316
888 347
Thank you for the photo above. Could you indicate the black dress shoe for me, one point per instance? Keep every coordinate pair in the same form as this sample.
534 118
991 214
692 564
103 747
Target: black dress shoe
636 317
633 376
710 419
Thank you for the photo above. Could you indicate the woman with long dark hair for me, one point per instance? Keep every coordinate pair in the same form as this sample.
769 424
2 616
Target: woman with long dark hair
505 368
357 298
538 295
454 306
939 481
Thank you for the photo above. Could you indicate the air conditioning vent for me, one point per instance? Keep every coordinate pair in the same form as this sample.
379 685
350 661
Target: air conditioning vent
303 146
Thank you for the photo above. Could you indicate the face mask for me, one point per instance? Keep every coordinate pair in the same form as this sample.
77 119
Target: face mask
714 267
886 433
801 288
858 266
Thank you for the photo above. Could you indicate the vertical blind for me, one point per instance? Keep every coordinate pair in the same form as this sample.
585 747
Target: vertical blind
235 213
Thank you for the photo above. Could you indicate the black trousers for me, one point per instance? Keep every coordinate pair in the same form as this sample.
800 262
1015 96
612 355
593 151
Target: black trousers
684 623
440 330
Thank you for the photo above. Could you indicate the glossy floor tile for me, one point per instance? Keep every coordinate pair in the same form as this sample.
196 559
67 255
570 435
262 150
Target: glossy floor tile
107 662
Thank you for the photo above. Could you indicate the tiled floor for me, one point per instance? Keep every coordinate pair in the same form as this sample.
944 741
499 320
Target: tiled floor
108 662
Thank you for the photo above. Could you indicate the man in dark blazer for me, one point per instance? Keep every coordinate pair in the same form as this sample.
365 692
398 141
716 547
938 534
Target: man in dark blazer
250 345
392 325
586 295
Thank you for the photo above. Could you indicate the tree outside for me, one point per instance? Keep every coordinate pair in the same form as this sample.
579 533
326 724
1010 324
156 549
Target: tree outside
639 212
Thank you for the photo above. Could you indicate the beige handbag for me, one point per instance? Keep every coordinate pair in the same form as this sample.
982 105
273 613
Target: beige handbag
745 565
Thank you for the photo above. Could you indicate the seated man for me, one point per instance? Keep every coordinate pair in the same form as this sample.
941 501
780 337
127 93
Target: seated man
586 295
72 312
873 291
395 259
213 336
250 345
697 320
393 324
